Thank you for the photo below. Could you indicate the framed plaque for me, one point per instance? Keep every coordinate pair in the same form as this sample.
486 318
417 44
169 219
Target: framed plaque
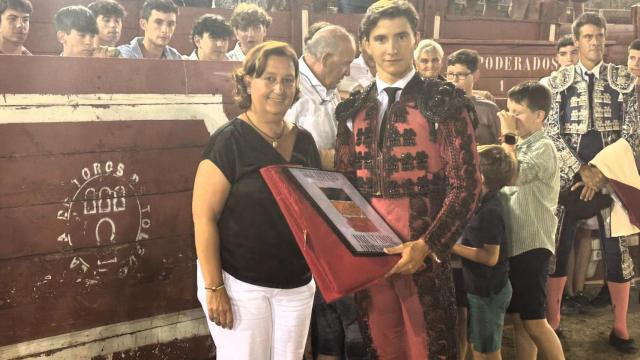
355 222
339 234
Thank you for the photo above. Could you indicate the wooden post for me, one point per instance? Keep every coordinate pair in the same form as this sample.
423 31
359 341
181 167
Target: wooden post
430 10
299 10
635 19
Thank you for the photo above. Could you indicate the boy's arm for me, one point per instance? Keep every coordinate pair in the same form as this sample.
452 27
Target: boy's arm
486 255
539 163
508 126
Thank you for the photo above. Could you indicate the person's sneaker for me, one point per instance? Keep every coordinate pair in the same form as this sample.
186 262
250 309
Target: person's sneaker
581 298
626 346
569 306
602 299
583 303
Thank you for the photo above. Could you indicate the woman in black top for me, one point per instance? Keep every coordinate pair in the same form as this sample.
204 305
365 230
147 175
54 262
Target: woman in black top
253 282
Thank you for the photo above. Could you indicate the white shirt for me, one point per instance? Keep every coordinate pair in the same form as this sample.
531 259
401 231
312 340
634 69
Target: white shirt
359 76
315 110
382 95
583 70
236 54
192 56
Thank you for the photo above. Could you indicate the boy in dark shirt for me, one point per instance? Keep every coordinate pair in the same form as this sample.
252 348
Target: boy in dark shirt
485 264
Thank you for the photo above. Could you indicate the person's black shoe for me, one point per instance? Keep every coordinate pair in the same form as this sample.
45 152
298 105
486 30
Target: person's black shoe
581 298
569 306
602 299
627 346
582 303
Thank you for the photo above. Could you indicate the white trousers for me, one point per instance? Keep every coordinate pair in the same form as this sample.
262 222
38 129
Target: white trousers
268 323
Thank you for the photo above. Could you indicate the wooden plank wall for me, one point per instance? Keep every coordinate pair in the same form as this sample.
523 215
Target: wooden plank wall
507 63
97 169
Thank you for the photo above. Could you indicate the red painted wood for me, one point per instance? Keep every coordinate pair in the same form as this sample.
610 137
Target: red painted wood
635 19
36 230
32 139
159 282
50 179
61 76
196 348
459 27
351 22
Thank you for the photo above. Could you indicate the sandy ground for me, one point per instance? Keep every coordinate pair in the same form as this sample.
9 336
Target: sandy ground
587 335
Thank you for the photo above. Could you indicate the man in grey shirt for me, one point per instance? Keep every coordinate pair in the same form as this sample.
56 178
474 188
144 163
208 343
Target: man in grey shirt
158 21
462 71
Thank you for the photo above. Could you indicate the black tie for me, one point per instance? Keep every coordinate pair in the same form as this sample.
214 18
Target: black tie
592 82
391 95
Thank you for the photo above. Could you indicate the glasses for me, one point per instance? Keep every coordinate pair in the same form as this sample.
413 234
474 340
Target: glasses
460 76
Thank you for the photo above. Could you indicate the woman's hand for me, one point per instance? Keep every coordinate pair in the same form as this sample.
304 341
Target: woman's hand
219 308
413 254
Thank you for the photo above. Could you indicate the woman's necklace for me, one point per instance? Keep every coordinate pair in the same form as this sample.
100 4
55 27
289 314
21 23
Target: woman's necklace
274 140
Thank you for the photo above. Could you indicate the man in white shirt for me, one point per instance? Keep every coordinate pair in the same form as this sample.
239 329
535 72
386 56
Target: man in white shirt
250 23
361 73
210 36
325 62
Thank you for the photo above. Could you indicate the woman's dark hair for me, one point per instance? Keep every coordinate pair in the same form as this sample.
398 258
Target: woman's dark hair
496 166
254 65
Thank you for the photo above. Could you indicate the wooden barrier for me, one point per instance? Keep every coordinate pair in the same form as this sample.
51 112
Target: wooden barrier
97 169
504 64
635 19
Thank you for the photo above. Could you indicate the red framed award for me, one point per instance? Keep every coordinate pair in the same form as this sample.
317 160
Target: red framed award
340 235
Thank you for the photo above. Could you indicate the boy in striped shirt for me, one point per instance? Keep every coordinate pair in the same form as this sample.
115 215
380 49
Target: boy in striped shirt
530 216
